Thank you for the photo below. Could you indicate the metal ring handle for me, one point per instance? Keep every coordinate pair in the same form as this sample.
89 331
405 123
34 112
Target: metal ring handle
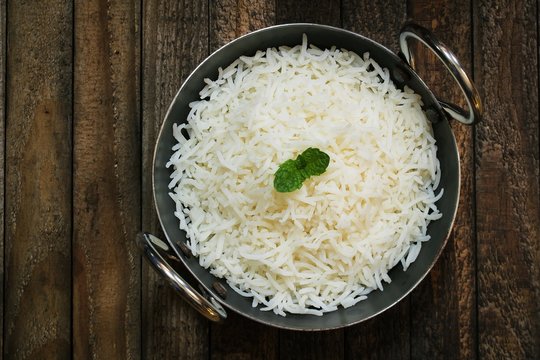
454 67
159 255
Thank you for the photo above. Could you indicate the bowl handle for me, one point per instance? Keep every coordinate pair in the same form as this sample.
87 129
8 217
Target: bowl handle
411 30
160 255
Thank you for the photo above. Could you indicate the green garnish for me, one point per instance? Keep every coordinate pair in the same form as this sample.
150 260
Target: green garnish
292 173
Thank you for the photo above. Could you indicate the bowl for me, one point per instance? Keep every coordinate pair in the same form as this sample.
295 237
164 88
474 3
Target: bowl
213 295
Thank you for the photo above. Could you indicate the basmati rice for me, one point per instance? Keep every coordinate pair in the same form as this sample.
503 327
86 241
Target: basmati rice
333 241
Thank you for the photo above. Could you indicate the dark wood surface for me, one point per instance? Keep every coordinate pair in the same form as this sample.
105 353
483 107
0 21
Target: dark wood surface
106 179
84 87
38 192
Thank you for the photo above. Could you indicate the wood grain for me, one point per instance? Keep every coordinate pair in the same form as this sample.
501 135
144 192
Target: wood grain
387 335
230 19
378 20
443 307
175 40
242 339
38 181
106 194
2 158
320 12
238 337
311 345
507 189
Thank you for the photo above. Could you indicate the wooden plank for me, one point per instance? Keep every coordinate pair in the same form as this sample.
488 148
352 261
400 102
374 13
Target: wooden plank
507 189
175 40
324 12
2 159
230 19
238 337
375 19
311 345
387 335
106 196
38 181
443 307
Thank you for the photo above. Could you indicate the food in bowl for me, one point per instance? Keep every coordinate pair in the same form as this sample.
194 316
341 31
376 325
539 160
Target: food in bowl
333 240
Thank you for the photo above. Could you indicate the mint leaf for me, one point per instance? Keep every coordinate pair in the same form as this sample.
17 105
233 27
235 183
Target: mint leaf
287 177
316 161
292 173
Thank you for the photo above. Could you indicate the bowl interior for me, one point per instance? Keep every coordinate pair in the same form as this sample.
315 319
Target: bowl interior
323 37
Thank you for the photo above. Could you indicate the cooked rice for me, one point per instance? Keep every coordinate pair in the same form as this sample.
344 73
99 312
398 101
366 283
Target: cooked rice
333 241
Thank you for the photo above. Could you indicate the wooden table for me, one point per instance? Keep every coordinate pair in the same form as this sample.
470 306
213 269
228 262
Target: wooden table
84 87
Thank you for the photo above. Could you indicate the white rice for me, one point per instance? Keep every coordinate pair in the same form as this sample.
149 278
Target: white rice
333 241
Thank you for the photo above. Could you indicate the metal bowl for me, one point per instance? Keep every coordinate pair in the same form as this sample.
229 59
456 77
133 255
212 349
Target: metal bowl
214 292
